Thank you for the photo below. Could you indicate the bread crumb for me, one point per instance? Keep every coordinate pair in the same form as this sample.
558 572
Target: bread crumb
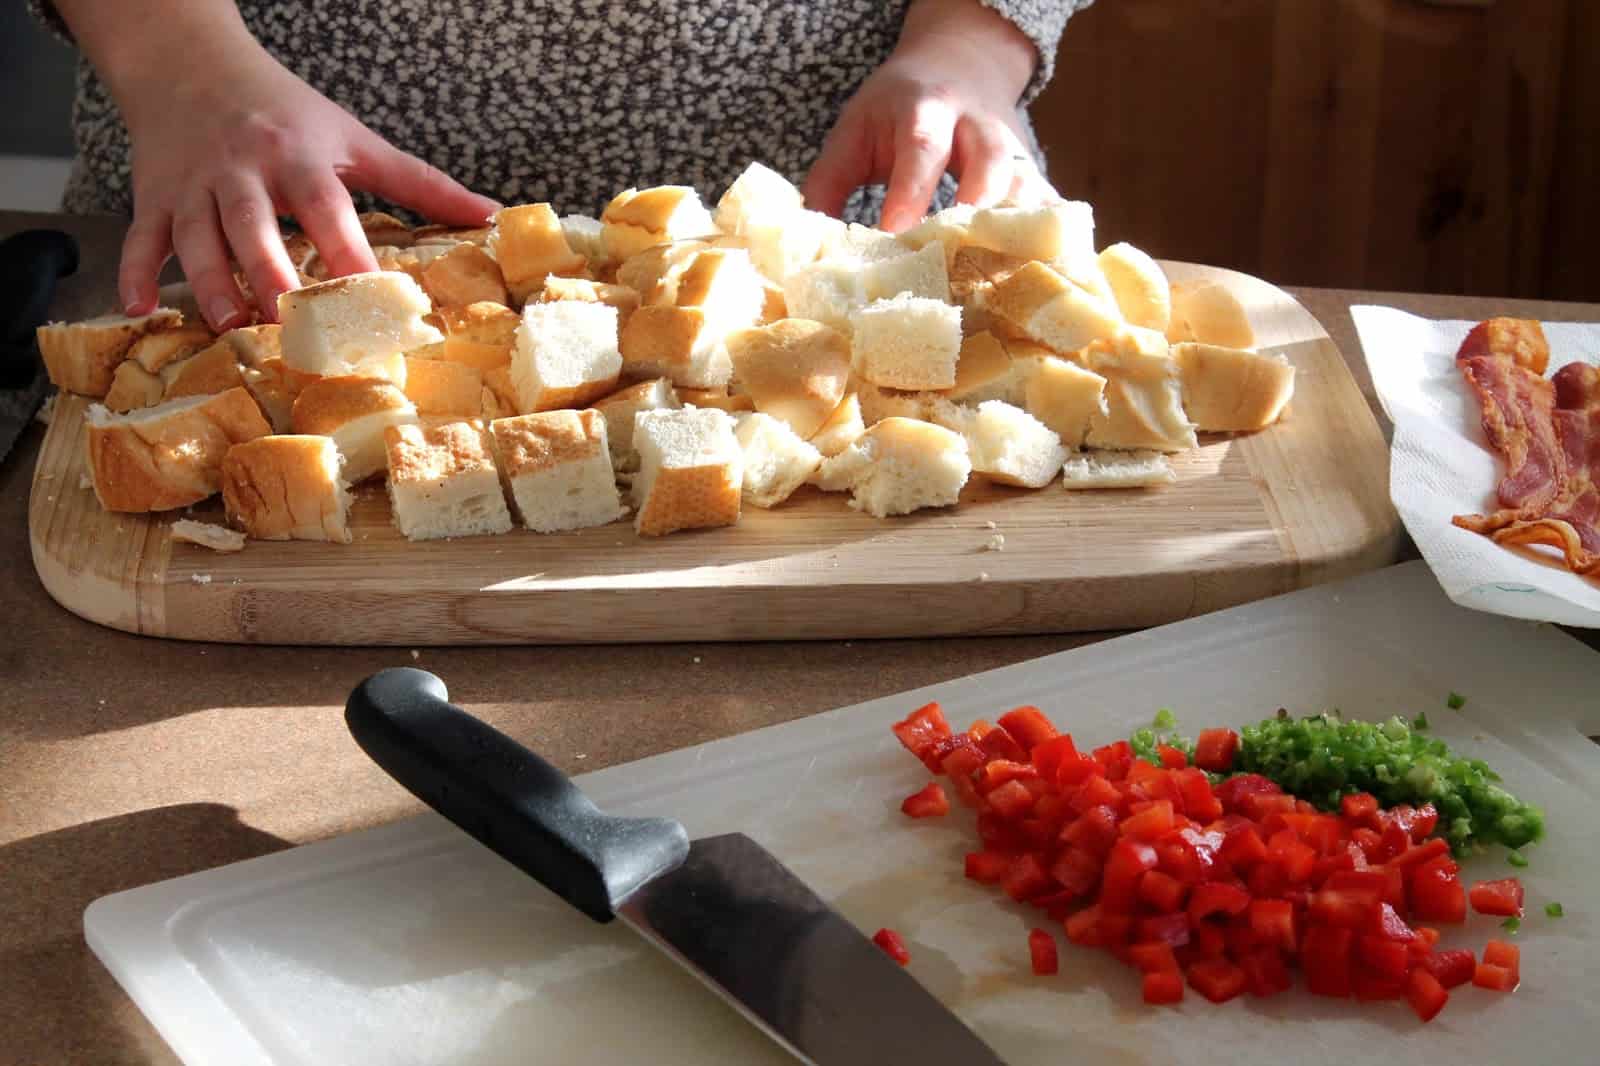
580 755
47 410
983 575
990 525
200 579
697 658
85 481
415 655
996 543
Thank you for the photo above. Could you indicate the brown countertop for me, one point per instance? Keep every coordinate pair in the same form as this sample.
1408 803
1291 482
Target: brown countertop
126 760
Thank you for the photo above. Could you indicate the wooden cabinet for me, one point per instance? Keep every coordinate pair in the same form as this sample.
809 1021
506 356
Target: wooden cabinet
1393 144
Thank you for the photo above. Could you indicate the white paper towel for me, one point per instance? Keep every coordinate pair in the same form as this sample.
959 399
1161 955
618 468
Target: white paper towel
1441 465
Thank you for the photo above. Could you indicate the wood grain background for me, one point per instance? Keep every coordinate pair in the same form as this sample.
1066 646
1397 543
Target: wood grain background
1386 144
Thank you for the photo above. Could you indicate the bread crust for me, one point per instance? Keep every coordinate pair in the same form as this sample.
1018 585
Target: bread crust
171 455
82 357
287 488
795 369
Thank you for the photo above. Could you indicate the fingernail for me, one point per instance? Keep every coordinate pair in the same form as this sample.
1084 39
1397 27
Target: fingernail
223 313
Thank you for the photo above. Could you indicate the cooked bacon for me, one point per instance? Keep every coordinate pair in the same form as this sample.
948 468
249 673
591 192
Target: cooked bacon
1516 406
1521 339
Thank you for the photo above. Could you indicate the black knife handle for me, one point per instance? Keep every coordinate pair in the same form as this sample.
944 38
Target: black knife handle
31 262
507 797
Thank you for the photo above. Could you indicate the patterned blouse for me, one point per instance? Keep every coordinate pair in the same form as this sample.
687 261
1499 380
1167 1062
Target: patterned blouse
570 101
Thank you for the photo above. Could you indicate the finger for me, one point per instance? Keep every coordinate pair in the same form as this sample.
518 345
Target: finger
987 160
403 179
921 152
1029 186
322 206
197 238
145 251
842 167
251 226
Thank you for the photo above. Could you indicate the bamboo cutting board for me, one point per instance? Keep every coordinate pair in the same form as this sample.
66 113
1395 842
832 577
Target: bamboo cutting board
1302 502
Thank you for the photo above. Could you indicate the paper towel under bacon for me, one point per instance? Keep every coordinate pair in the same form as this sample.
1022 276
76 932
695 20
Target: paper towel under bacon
1548 432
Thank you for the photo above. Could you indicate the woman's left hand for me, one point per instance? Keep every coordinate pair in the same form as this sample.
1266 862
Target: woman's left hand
945 99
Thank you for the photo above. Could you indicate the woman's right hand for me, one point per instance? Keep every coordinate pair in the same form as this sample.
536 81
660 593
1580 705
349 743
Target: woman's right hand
216 160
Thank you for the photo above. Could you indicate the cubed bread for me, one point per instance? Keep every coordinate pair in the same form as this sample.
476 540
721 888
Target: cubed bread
759 192
355 411
1051 310
776 460
827 291
1046 232
691 470
920 273
773 306
566 355
207 372
440 387
463 275
480 335
1210 313
583 234
1066 397
624 299
947 228
443 481
1006 444
619 410
985 371
437 233
287 488
169 455
721 282
159 347
878 403
1116 470
1144 400
332 328
794 369
780 245
635 219
269 388
209 534
383 229
133 387
81 357
1232 389
842 429
529 243
1140 286
855 243
720 398
647 270
675 343
908 342
557 468
257 346
898 466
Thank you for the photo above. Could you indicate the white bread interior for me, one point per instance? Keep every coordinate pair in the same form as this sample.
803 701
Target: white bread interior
211 370
159 347
1143 294
81 357
898 466
566 355
758 192
842 429
1067 398
794 369
334 327
207 534
1116 470
623 298
133 387
781 244
582 233
355 411
829 291
855 243
287 488
557 468
921 273
776 460
1210 313
530 243
948 228
443 481
619 410
1006 444
1144 400
691 470
170 455
1048 232
1232 389
1051 310
635 219
907 342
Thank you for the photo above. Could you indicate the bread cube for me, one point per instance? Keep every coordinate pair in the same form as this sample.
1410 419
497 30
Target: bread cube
159 347
480 335
635 219
861 245
1006 444
908 342
440 387
691 470
1144 400
566 355
1139 286
557 466
1052 310
1046 232
270 390
355 412
1116 470
842 429
920 273
676 343
828 291
1067 398
1209 313
781 244
794 369
465 274
81 357
583 236
759 192
529 244
776 460
898 466
624 299
619 410
443 481
287 487
209 371
334 327
169 455
1230 389
133 387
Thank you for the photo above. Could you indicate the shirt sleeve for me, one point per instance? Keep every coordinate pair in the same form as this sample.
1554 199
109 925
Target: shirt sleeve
45 11
1042 21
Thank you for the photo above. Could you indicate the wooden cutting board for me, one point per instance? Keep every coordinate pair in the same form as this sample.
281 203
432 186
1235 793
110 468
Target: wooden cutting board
1302 502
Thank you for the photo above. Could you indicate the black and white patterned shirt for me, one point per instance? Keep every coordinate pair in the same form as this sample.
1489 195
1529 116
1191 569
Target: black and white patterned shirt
569 101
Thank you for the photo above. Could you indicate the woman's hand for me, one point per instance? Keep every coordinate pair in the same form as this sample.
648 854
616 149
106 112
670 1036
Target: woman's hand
945 99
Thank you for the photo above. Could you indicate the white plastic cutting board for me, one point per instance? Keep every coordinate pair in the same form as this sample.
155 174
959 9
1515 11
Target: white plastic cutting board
411 944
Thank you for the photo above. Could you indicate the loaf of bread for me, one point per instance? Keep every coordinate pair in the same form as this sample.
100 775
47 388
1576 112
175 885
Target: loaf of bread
287 487
1006 444
908 342
334 327
530 244
438 387
794 369
1232 389
443 481
169 455
355 411
1067 398
566 355
556 467
691 471
635 219
1116 470
776 460
82 357
898 466
1140 286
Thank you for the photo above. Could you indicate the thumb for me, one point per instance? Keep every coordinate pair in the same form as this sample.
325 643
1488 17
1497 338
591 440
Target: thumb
401 178
843 166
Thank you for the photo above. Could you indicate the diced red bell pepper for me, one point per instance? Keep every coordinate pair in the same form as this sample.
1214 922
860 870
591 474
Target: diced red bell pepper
892 945
1150 824
1116 757
1388 957
988 867
1359 808
1349 899
931 802
1320 831
1153 957
1071 773
1170 929
1423 822
1267 880
1042 952
1265 972
1029 726
1451 968
1325 957
998 833
1049 755
1200 802
1077 871
1026 878
1096 791
1126 864
997 772
998 743
1494 978
1290 854
1162 891
1241 938
1388 924
1367 985
1214 750
1273 922
1010 800
1163 987
1502 897
920 729
1171 758
1243 848
1217 979
1370 841
1094 927
1208 940
1234 790
1425 994
1427 851
1436 894
1428 936
1262 805
1217 897
1095 831
1503 953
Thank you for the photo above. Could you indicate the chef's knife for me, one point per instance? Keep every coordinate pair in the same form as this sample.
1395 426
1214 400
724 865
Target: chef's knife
31 262
722 906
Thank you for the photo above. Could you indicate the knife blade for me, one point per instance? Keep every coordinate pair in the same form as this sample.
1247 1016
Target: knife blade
723 907
31 262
